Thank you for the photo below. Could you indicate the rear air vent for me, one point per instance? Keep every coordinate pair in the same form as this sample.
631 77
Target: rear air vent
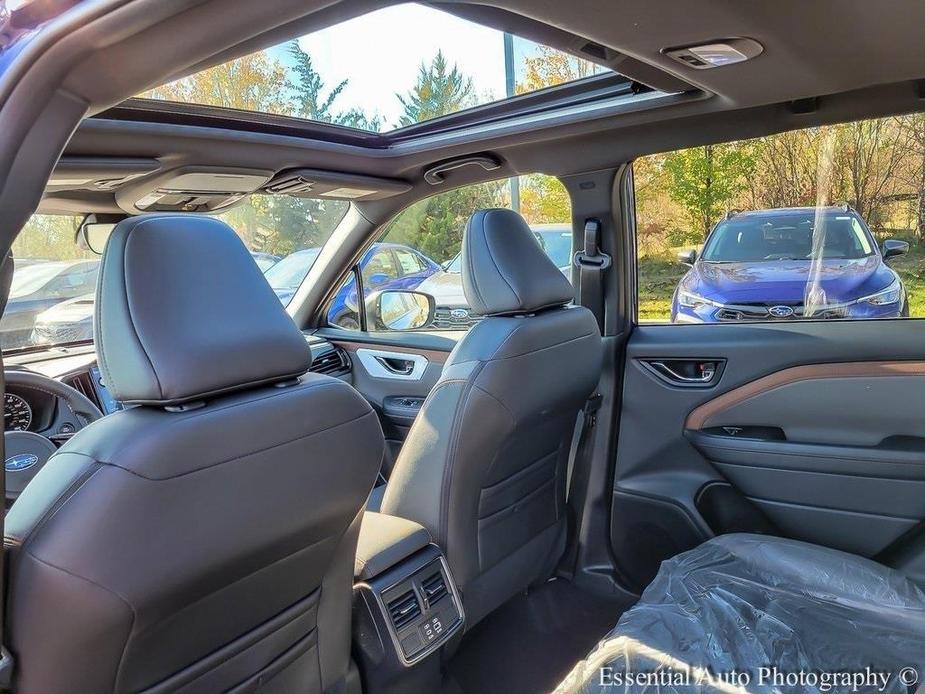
404 609
333 362
434 587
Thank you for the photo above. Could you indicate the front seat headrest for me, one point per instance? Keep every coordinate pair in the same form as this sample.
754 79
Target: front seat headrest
504 270
183 312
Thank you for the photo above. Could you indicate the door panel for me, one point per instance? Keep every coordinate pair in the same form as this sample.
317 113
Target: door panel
377 364
813 431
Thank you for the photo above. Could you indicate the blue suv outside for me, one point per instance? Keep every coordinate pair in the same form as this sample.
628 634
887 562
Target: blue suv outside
384 266
790 263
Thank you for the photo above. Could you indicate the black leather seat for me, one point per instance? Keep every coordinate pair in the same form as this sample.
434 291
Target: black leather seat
740 603
484 466
202 539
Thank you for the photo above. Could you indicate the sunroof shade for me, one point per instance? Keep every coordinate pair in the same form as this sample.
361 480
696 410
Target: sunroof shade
391 68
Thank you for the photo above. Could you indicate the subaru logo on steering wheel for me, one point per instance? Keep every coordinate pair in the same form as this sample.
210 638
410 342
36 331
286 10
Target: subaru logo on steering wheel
781 311
23 461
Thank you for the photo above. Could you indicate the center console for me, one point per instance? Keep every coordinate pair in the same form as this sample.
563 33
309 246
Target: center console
406 606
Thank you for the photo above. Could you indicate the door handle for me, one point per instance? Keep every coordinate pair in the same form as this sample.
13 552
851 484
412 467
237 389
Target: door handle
401 367
686 372
380 363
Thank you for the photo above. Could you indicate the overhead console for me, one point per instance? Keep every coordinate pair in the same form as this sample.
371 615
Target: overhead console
191 189
135 185
315 183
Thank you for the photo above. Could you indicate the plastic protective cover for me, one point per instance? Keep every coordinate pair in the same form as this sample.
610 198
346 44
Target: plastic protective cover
747 613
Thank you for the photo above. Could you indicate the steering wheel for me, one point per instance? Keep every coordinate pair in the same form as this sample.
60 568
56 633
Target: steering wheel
26 451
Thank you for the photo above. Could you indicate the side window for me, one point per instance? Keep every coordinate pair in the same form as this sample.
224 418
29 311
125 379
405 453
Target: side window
427 236
409 262
380 269
825 223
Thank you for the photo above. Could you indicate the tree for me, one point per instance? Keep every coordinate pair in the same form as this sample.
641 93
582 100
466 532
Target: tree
251 83
869 159
786 169
544 200
706 180
308 86
438 91
551 67
435 225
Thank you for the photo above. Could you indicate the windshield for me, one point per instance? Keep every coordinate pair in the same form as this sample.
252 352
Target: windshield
788 236
33 277
52 293
384 70
289 272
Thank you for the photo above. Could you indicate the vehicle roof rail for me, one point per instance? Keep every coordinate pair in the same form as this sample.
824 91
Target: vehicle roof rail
731 213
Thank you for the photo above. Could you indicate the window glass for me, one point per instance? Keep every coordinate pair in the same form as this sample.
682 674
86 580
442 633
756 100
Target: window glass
51 294
409 262
415 63
52 297
426 239
380 268
823 223
285 234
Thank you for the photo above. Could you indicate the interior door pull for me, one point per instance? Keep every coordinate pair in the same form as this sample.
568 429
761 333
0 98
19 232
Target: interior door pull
707 371
402 367
381 363
686 372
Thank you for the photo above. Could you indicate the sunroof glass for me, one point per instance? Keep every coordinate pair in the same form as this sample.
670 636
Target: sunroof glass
391 68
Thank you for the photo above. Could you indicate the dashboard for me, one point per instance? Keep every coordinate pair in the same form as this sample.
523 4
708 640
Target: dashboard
33 409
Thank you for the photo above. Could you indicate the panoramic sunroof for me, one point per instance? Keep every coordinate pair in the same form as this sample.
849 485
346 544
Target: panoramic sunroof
391 68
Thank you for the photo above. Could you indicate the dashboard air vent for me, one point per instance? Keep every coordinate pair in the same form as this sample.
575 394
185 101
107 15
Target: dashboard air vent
404 609
83 384
333 362
434 587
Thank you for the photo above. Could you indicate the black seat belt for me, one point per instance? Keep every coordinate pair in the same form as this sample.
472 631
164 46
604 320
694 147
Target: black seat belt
592 263
576 480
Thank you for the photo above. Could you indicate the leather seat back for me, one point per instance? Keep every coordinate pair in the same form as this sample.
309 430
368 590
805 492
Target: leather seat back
484 465
202 539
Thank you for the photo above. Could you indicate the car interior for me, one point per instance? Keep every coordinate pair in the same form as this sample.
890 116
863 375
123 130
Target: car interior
519 480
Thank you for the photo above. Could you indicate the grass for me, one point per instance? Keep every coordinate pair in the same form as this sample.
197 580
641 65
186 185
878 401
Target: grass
659 275
911 268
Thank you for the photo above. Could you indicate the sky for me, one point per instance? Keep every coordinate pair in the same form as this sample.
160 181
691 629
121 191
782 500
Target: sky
380 54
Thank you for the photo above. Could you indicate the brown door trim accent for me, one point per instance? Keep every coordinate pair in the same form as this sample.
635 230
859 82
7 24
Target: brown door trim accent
433 355
864 369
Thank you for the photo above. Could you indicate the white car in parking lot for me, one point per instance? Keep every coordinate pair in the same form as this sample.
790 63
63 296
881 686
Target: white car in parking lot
453 312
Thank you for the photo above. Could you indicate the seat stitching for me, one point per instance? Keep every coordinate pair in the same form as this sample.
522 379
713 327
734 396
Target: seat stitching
444 520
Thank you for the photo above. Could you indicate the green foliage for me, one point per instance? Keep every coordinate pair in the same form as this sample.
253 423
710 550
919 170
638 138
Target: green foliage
544 200
438 91
435 225
309 102
309 85
49 237
706 180
282 224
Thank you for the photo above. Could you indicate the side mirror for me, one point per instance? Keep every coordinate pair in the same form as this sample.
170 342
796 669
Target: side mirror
894 247
377 278
94 231
687 257
399 309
